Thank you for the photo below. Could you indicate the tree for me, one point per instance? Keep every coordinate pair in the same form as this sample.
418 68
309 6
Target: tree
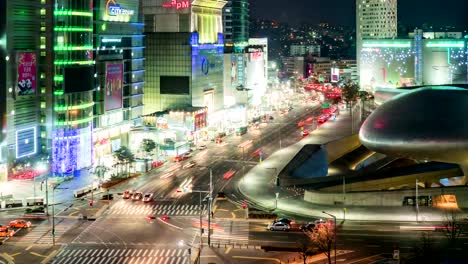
124 157
323 238
452 226
148 145
305 250
350 93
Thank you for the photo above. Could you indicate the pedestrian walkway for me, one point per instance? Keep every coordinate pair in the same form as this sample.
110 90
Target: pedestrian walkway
121 255
124 208
42 234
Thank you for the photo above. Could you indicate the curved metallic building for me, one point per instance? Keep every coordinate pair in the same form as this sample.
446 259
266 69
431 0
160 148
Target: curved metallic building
427 124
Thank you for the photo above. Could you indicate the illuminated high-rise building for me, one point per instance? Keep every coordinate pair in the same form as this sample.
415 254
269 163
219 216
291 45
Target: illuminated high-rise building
70 124
118 97
375 19
236 25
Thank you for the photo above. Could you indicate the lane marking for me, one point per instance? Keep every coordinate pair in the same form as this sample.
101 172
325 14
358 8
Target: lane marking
28 248
259 258
39 255
359 260
228 250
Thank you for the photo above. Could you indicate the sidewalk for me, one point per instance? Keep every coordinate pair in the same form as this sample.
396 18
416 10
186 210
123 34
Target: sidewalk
258 185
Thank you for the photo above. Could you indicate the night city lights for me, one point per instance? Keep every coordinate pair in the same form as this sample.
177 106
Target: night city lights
233 131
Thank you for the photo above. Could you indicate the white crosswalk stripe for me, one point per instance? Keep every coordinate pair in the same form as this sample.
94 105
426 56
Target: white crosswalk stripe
42 233
107 256
230 231
124 208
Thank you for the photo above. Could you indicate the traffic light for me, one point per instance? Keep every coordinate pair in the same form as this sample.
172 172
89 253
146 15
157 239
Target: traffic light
53 231
244 205
91 202
164 218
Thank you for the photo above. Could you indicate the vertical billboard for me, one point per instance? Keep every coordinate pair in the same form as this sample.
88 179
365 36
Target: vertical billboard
234 76
26 73
114 84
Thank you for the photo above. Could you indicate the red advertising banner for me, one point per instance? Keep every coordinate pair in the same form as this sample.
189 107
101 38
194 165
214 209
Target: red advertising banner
26 73
114 83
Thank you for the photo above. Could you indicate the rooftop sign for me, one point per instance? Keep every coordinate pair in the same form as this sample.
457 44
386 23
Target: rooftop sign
177 4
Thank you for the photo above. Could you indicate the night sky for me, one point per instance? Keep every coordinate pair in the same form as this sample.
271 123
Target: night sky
342 12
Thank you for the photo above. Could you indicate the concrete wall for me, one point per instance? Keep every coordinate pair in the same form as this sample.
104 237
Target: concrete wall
384 198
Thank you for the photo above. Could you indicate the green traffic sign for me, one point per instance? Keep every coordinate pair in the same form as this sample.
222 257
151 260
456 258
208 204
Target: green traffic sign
325 105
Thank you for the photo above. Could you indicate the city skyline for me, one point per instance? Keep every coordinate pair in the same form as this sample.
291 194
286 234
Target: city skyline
342 12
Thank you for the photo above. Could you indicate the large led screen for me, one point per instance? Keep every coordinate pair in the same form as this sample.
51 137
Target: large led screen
27 78
175 85
78 79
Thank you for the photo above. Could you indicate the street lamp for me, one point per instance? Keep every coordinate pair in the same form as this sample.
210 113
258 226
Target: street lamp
189 249
334 231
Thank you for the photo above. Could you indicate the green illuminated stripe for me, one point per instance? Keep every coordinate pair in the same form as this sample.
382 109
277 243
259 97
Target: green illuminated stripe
68 62
58 78
458 44
74 122
73 29
62 108
60 48
72 13
387 45
59 92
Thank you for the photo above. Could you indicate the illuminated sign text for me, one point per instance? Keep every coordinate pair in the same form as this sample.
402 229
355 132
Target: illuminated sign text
114 9
177 4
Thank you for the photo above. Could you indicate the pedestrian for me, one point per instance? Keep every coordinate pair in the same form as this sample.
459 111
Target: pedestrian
212 214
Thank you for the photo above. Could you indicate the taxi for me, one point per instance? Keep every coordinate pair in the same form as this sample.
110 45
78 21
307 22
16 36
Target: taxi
20 224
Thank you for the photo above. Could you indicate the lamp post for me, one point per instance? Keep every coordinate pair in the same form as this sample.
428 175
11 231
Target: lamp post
210 198
334 231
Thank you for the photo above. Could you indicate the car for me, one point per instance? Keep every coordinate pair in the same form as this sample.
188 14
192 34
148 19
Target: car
5 231
128 194
308 227
218 140
322 119
283 220
189 164
20 224
305 133
320 221
178 158
278 226
187 155
148 197
109 196
201 147
137 196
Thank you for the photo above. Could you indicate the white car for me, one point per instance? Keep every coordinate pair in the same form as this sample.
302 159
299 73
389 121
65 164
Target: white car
189 164
278 226
201 147
148 197
137 196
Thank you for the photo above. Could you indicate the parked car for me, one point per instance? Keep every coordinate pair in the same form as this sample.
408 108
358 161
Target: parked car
283 220
308 227
278 226
20 224
109 196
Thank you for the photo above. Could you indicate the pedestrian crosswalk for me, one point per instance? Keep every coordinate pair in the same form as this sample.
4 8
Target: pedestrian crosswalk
42 233
122 255
157 209
228 231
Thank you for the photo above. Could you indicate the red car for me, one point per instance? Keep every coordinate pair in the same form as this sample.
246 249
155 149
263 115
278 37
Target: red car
20 224
179 158
305 133
218 140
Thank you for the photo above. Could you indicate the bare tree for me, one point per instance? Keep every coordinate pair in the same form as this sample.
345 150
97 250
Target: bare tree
305 250
323 238
452 226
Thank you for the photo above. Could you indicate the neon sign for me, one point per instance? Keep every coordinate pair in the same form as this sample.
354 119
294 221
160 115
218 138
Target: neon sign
177 4
114 9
